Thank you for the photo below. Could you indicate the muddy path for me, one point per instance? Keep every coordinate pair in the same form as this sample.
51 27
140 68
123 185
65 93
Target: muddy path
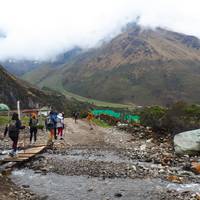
106 163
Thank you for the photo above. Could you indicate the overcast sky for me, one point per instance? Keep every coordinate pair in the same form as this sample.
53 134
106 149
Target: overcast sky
40 29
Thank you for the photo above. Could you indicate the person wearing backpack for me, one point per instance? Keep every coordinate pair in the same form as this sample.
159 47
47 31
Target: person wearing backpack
75 115
33 122
13 129
50 124
60 125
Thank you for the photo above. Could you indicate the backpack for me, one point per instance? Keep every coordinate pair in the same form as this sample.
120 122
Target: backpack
58 120
49 121
34 123
12 126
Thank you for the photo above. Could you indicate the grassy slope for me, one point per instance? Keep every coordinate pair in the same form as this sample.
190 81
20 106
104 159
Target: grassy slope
54 82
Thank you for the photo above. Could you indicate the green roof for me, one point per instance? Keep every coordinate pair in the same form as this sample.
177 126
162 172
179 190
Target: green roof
4 107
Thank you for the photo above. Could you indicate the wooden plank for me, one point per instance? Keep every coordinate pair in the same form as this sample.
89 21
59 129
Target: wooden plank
27 155
24 155
14 159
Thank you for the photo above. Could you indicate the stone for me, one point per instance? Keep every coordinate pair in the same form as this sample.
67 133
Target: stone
143 147
175 179
198 196
118 195
134 167
25 186
149 140
187 143
162 171
195 166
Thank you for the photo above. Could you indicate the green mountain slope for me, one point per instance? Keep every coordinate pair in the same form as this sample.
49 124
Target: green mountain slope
139 66
13 89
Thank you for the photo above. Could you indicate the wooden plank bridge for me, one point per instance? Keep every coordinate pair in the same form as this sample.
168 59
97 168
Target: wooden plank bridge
25 155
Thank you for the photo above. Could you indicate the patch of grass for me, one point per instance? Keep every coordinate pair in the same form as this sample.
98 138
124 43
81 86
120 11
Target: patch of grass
101 123
55 82
25 120
3 120
95 102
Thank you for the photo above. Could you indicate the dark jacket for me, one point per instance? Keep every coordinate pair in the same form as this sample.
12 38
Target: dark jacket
32 125
16 132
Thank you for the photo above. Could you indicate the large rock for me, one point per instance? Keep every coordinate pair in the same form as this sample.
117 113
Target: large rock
187 143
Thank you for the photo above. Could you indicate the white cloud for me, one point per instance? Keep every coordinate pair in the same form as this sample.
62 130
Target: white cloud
40 29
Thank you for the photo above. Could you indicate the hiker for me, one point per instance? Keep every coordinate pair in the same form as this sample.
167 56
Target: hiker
33 122
13 129
50 124
75 115
54 117
60 125
90 118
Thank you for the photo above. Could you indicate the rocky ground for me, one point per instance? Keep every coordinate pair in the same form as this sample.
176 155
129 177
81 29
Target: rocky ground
131 154
8 189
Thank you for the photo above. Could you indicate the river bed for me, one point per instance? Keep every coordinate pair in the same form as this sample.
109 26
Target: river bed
53 186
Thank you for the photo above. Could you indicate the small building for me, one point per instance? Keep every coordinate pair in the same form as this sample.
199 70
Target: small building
28 112
44 111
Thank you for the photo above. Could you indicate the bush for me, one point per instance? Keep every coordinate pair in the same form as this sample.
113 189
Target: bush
179 117
40 126
83 114
151 116
109 119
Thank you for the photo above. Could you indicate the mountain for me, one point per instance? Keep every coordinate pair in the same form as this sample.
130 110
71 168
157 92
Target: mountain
140 66
13 89
20 67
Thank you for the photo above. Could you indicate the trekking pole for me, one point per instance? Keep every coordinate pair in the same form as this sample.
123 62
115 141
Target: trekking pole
24 140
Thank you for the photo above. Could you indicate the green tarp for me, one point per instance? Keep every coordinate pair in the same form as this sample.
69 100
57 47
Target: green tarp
117 115
4 107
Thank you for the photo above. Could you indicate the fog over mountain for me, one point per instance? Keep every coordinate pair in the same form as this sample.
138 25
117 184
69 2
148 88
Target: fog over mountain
41 30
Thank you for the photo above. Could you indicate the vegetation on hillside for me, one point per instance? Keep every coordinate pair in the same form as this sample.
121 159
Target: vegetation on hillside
179 117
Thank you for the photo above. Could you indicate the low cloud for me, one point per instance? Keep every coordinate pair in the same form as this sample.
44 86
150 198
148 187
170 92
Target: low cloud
41 29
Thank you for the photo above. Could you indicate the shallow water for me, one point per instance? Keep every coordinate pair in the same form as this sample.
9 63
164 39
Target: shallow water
82 187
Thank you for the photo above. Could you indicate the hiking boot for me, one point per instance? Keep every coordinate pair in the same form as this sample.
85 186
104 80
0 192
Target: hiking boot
12 154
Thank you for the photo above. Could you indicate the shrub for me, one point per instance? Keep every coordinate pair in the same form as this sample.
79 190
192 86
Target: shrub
83 114
40 126
151 116
179 117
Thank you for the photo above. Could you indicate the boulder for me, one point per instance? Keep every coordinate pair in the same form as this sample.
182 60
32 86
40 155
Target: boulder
187 143
195 166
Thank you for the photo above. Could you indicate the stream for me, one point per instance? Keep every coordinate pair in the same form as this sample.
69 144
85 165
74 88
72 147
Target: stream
55 186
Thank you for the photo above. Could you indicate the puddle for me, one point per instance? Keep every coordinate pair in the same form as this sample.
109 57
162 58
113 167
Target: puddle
184 187
81 187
